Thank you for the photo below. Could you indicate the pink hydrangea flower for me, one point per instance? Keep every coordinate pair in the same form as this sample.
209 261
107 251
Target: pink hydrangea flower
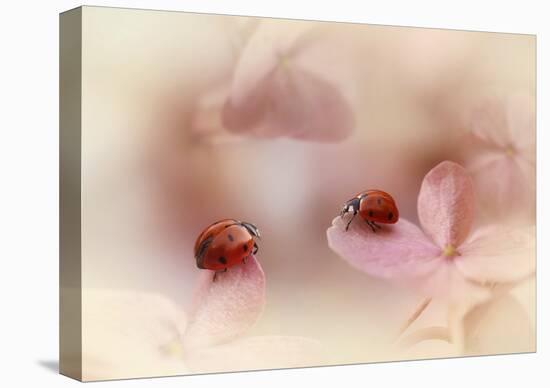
444 257
136 334
278 88
499 152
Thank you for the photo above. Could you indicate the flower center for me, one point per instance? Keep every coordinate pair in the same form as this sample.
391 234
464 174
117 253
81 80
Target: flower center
283 61
450 251
172 349
510 151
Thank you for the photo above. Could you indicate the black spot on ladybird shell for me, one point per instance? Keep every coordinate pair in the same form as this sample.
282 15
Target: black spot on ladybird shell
245 247
371 213
230 237
379 201
390 216
222 260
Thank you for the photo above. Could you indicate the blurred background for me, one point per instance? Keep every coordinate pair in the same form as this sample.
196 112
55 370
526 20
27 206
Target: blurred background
159 164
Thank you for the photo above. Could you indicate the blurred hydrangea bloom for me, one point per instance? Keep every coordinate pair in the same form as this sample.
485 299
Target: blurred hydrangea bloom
137 334
279 89
499 152
444 258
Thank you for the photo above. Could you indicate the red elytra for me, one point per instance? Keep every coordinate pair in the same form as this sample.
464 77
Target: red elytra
225 243
373 206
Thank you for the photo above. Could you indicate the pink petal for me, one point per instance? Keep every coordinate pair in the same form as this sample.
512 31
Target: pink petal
483 159
498 326
429 342
269 42
227 307
498 254
520 120
267 352
274 95
526 164
448 286
505 121
130 334
526 294
399 250
205 117
488 122
446 204
505 187
453 296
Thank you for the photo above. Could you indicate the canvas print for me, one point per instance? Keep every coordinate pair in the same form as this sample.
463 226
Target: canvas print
243 193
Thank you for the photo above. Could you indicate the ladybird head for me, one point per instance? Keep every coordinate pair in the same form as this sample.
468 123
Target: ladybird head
252 229
350 206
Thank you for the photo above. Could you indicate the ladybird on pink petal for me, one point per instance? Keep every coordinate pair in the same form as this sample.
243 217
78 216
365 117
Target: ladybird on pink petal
225 244
444 248
372 206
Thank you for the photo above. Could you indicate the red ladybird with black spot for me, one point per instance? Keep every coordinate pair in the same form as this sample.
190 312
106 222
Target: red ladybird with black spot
225 243
373 206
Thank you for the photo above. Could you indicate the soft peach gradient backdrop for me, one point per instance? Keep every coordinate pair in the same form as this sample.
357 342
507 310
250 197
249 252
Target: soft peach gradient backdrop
158 165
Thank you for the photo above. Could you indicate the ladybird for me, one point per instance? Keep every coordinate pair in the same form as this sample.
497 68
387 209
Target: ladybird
224 244
373 206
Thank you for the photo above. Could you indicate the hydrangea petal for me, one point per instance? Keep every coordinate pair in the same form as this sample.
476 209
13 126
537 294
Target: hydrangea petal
227 307
505 189
505 121
483 160
429 342
205 117
263 352
499 326
446 204
130 333
520 120
489 122
263 52
450 288
526 294
498 254
399 250
526 164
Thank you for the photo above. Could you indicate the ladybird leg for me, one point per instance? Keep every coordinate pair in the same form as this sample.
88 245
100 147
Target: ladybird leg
216 274
255 250
375 224
369 223
351 219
